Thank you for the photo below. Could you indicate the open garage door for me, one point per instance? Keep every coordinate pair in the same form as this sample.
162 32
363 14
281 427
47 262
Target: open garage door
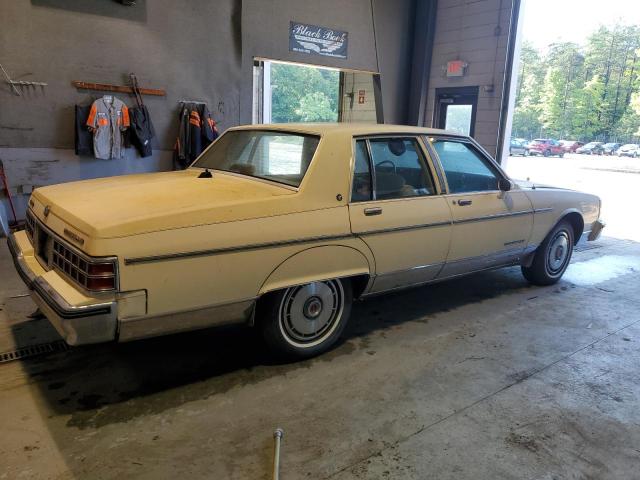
285 92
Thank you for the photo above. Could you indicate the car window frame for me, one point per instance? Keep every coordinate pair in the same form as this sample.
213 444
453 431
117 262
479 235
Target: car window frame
423 152
265 128
483 154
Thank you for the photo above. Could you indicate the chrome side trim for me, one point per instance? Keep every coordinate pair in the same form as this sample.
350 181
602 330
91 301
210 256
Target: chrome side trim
514 242
403 278
543 210
204 317
401 229
462 266
218 251
493 217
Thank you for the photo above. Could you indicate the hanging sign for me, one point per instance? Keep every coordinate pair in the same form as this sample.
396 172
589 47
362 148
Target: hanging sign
317 40
361 96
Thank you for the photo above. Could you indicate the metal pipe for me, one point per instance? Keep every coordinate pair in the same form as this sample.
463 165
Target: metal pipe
277 436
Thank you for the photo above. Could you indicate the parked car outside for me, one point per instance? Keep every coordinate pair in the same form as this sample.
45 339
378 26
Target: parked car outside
610 148
570 146
629 150
517 147
281 227
592 148
546 147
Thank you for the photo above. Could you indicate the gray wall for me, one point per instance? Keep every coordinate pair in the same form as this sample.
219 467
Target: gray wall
195 49
466 30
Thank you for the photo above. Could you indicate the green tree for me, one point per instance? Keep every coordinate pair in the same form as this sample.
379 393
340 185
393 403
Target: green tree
291 84
526 122
583 92
315 107
563 81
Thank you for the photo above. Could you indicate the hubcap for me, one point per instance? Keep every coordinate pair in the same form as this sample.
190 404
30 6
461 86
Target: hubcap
309 313
558 252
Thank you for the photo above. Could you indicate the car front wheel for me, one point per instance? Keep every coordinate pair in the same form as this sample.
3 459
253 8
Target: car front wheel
305 320
552 257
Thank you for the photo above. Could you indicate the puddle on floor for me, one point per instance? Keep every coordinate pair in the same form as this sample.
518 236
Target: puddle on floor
601 269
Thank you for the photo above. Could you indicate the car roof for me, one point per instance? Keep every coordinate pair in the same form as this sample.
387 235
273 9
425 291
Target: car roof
348 128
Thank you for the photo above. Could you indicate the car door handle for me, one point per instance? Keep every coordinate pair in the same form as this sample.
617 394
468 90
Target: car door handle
464 203
369 212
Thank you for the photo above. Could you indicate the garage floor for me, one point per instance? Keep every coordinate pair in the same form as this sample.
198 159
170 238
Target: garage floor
482 378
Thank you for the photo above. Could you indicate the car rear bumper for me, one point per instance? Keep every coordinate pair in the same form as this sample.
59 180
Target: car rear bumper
93 321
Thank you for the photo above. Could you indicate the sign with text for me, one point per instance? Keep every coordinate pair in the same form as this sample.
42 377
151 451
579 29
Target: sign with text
317 40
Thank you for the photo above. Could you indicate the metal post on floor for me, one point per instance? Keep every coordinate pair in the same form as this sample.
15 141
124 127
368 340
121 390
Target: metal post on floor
277 436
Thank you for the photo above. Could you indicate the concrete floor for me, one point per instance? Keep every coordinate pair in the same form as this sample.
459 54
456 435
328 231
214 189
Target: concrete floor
481 378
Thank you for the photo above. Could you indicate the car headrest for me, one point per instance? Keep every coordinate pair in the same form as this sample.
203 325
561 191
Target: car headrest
397 146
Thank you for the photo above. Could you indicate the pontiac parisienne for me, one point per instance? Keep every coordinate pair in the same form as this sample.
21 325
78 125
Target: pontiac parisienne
282 227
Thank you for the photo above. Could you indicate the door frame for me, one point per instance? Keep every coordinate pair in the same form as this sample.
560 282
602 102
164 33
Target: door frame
455 96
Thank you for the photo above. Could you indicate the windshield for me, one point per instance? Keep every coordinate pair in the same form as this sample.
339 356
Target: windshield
630 145
277 156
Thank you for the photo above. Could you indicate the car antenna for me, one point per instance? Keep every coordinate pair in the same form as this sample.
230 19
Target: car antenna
205 174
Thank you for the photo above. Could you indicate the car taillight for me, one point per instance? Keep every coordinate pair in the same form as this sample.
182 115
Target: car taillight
101 283
101 268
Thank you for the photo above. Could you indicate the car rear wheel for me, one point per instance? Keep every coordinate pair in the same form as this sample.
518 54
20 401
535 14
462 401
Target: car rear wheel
305 320
552 257
547 153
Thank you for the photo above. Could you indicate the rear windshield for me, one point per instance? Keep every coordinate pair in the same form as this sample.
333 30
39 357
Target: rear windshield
282 157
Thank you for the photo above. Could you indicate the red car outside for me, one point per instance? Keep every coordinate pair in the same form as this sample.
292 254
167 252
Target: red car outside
546 147
570 146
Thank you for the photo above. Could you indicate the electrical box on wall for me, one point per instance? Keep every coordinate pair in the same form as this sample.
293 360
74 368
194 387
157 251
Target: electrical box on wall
456 68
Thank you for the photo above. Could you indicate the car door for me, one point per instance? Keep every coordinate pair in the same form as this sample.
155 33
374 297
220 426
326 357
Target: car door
490 227
397 209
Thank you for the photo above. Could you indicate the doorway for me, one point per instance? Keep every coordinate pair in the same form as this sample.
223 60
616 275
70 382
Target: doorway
456 109
286 92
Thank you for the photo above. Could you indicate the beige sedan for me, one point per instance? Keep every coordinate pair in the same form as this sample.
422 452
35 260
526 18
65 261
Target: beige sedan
282 227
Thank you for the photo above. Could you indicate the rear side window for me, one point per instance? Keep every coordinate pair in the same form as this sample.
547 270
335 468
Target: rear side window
400 168
361 190
466 169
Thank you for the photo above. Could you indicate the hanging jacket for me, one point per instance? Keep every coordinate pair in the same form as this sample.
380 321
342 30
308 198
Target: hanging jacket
83 137
108 118
196 131
141 130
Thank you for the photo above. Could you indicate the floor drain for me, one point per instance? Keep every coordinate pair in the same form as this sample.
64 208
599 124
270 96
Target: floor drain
33 351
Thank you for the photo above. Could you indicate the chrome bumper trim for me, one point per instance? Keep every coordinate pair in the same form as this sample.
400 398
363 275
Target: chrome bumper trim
78 325
18 260
596 230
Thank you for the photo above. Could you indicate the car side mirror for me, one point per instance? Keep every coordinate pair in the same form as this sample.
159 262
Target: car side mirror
504 185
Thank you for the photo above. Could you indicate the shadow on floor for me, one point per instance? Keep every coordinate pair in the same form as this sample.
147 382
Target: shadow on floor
103 384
